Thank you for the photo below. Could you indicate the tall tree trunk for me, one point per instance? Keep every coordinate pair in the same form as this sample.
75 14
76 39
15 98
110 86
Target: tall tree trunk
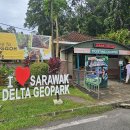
52 34
57 46
57 36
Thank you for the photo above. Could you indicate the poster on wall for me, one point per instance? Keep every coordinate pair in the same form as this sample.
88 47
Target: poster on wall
19 46
96 71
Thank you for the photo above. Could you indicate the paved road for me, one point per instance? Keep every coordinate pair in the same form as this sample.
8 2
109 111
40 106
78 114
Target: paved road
118 119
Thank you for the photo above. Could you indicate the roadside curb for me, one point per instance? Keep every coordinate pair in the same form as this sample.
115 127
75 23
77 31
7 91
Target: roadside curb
56 112
114 104
125 105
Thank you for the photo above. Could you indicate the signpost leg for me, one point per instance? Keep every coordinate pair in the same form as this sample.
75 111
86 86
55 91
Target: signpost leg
120 75
98 82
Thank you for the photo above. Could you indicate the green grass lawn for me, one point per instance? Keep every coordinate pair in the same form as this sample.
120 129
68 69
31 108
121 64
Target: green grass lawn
23 113
78 93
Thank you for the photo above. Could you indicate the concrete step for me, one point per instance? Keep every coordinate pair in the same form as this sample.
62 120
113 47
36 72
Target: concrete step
125 105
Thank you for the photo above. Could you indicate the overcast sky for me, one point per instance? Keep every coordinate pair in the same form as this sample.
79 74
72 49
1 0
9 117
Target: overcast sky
13 12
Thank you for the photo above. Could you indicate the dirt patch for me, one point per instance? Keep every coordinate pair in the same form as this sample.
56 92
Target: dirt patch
75 99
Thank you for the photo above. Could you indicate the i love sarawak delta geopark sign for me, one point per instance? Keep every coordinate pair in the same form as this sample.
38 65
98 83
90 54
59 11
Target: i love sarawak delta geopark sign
41 86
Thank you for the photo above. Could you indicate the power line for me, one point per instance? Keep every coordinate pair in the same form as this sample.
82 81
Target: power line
16 27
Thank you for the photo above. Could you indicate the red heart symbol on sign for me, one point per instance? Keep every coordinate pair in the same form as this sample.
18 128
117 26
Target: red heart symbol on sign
22 74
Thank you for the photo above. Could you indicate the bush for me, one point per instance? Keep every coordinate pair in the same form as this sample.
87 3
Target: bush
54 65
39 69
26 62
5 71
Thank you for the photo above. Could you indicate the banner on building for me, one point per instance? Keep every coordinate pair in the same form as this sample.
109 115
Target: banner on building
96 71
20 46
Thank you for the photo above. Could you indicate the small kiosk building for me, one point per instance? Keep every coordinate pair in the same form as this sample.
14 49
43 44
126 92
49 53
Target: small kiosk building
74 56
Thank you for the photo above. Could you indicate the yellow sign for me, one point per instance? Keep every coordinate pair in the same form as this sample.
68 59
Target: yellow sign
8 42
15 55
8 47
19 46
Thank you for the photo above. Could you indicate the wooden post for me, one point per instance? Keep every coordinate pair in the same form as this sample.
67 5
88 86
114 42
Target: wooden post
78 68
57 40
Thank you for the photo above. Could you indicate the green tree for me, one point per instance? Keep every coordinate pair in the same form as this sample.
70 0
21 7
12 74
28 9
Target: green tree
39 14
58 10
36 17
121 36
3 30
94 25
88 16
91 17
118 15
11 29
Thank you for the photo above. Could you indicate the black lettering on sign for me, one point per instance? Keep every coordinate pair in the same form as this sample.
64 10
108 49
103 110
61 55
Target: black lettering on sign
8 48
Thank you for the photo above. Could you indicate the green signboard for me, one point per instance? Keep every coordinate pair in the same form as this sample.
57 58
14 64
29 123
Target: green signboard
96 71
104 51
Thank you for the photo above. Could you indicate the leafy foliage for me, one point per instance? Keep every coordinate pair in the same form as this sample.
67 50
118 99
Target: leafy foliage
5 71
118 14
11 29
39 69
8 30
121 36
84 16
38 14
54 65
36 17
26 62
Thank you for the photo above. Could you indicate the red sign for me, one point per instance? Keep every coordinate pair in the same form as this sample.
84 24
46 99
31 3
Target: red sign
22 74
102 45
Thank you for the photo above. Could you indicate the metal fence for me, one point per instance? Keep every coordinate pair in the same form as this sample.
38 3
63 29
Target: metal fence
81 77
